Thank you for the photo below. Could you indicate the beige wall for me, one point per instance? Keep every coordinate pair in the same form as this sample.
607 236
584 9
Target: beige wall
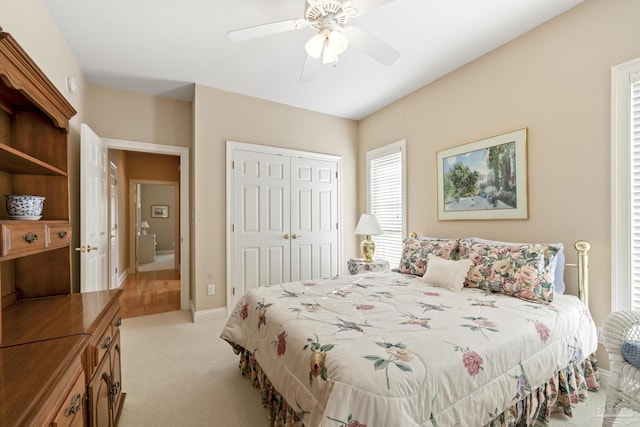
121 114
554 80
220 116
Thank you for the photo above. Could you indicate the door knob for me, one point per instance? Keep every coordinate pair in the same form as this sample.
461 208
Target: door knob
286 236
88 248
296 236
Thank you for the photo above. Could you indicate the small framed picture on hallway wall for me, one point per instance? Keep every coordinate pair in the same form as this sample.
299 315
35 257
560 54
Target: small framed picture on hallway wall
159 211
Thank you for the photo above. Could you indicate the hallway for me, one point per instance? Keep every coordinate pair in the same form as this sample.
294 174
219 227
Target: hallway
150 292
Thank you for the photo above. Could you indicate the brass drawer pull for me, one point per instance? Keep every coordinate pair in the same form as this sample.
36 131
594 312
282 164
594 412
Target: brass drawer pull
118 321
62 234
30 237
74 406
106 343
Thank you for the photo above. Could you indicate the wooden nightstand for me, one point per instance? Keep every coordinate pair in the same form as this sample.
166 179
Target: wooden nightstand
359 266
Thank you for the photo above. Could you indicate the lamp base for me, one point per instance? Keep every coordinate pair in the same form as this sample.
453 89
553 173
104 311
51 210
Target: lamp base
368 248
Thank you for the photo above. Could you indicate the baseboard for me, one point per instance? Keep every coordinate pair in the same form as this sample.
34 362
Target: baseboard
212 314
122 277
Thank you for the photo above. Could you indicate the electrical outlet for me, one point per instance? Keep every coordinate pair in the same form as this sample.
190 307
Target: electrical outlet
211 289
600 338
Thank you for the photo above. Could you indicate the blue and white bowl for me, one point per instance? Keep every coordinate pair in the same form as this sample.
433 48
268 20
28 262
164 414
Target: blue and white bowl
24 207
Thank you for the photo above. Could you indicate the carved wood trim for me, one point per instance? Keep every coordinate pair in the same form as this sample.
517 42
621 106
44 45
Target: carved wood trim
18 71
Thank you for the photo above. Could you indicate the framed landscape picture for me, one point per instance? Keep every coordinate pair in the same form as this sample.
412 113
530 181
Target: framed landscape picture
485 179
159 211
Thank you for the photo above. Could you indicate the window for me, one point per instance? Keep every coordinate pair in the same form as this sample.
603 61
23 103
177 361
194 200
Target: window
386 199
625 183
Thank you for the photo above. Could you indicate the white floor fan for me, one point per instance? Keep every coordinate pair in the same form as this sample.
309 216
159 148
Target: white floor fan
329 19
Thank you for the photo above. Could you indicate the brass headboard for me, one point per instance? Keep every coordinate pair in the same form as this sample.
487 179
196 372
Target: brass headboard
582 246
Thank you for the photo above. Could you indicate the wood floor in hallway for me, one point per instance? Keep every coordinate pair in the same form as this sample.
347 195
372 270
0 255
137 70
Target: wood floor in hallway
150 292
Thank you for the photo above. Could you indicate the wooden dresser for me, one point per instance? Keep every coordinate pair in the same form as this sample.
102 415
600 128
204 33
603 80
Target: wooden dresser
59 351
60 361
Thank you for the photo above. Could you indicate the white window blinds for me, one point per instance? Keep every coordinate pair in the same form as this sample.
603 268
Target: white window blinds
386 199
634 185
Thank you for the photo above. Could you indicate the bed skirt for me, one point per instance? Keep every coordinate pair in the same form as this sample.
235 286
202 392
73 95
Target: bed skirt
564 389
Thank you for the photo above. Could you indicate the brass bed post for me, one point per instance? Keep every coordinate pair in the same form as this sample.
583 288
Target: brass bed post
582 246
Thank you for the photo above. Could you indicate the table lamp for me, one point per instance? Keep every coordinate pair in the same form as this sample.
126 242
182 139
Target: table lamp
144 225
368 226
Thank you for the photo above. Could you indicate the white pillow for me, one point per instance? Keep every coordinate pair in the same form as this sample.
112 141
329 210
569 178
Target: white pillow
446 273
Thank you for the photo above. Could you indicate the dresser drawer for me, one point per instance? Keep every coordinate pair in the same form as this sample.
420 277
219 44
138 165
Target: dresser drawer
71 413
102 345
58 235
103 337
116 322
22 238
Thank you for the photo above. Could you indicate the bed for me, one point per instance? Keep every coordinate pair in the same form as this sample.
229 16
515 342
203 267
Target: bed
465 332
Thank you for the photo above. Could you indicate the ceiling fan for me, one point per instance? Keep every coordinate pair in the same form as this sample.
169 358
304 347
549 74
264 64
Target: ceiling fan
329 19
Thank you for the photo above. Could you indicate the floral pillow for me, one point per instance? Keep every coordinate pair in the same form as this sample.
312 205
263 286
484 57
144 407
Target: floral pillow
522 271
415 253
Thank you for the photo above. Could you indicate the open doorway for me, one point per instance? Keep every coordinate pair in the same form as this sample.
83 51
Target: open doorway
154 210
164 166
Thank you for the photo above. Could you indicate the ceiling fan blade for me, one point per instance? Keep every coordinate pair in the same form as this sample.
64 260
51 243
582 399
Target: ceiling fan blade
364 6
310 69
262 30
373 47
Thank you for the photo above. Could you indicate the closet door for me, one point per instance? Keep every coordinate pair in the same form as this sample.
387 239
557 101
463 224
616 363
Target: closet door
314 219
283 218
261 220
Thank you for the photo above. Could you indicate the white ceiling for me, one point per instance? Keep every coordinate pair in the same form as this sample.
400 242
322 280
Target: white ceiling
162 47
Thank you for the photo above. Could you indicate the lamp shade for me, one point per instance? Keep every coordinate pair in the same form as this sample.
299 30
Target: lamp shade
315 44
144 224
337 41
368 225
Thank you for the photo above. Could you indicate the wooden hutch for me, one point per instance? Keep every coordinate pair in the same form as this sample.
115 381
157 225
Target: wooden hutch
59 351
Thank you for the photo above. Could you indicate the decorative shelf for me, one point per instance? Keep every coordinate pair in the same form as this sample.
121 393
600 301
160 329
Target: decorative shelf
15 161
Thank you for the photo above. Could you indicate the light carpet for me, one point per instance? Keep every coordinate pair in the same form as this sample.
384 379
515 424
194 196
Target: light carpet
162 262
179 373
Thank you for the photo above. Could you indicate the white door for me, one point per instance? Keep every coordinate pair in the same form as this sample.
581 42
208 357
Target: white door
113 226
261 199
314 219
137 197
284 212
93 212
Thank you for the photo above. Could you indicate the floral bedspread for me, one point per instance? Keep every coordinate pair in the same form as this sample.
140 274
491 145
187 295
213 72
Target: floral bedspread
388 349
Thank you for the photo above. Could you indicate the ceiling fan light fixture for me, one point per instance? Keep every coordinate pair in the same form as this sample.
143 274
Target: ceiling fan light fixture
329 55
337 41
315 44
